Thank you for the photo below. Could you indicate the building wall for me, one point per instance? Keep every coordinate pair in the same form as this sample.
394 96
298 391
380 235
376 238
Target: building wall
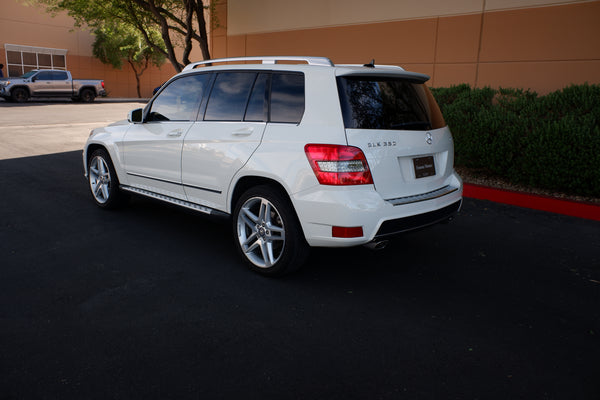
27 25
542 45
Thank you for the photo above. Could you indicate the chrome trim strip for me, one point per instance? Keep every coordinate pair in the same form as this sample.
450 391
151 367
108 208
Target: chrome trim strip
174 183
172 200
424 196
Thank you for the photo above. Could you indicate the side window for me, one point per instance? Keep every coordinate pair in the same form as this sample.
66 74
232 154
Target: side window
287 98
179 101
257 110
59 76
229 96
44 76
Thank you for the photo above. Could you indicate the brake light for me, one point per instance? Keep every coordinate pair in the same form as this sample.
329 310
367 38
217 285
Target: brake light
338 165
102 84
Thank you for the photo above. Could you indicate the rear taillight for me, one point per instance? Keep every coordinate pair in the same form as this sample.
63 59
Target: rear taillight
102 84
338 165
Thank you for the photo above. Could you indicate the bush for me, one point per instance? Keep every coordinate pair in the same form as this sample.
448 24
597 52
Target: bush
550 142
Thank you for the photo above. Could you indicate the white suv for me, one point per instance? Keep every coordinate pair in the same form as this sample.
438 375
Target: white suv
299 155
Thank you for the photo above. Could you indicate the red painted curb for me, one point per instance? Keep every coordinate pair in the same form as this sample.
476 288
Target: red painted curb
557 206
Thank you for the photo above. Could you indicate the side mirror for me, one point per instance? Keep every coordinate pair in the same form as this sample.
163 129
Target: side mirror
136 116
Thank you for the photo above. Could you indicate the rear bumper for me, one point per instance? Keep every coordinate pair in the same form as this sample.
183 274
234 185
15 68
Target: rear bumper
397 226
324 207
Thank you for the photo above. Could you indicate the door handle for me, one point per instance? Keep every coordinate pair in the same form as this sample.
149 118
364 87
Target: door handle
243 132
175 133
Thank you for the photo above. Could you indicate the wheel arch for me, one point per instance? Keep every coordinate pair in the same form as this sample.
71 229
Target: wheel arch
20 87
92 147
90 87
17 87
246 182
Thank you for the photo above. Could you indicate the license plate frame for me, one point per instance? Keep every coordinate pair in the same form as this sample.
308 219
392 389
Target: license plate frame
424 167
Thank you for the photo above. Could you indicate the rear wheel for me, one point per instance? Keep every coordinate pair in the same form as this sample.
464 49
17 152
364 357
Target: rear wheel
103 181
20 95
267 232
87 95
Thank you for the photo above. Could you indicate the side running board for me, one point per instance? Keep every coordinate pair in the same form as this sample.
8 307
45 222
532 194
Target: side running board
172 200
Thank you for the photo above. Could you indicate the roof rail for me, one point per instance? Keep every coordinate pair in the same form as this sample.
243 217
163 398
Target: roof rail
322 61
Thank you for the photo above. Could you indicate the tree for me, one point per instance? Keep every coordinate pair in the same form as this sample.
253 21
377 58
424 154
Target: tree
181 23
115 43
177 17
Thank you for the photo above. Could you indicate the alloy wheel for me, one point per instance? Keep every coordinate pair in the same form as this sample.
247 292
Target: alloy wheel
100 179
261 232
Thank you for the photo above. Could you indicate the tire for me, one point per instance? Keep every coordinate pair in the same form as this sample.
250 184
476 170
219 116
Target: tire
87 95
267 232
20 95
103 181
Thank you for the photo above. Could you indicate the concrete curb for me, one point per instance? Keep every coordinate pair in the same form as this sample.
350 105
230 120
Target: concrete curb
121 100
542 203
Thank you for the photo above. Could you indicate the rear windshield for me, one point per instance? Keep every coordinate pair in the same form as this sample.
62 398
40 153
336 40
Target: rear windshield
383 103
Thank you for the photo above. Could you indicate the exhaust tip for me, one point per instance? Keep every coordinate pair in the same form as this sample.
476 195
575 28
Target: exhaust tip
377 245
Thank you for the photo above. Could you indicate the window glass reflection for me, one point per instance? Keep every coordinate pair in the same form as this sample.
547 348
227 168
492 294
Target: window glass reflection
287 98
229 95
179 101
257 109
383 103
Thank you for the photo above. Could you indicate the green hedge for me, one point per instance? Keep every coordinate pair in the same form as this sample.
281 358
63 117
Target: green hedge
550 142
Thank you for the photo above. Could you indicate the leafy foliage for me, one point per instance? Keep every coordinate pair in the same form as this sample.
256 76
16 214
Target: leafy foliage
115 43
180 23
550 142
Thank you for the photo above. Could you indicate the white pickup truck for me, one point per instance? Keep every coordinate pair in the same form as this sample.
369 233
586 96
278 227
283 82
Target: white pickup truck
50 83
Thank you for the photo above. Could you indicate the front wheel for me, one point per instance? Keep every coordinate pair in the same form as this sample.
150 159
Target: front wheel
103 181
20 95
268 233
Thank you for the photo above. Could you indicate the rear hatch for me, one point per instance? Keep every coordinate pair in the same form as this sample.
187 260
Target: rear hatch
394 120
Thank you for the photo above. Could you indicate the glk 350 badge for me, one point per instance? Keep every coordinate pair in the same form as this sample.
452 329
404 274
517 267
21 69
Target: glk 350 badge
381 144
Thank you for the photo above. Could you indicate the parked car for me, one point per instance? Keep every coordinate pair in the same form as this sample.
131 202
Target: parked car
50 83
297 155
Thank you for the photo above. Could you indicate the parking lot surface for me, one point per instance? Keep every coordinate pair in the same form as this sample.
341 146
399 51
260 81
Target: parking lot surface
152 302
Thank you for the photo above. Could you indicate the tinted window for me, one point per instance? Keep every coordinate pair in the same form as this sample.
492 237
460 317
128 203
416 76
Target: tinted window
229 96
287 98
383 103
44 76
179 101
59 76
257 109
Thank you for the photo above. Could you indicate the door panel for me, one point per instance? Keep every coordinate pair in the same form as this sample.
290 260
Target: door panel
152 155
216 148
213 152
152 150
51 83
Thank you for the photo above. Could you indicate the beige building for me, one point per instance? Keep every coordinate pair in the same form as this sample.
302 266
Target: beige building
539 44
543 45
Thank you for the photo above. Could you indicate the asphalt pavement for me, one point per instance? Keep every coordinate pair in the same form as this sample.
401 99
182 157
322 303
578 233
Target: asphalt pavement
151 302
